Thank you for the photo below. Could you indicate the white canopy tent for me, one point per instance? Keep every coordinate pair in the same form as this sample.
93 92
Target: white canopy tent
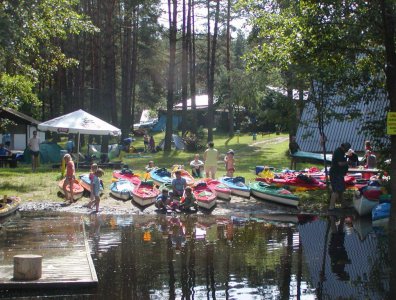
79 122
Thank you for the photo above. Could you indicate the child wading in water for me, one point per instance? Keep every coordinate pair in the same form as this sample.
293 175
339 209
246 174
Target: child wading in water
95 189
229 163
188 200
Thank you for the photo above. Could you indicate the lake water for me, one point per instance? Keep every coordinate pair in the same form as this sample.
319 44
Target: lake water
223 257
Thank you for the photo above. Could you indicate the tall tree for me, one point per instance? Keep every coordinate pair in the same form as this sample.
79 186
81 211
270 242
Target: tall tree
172 14
211 73
184 68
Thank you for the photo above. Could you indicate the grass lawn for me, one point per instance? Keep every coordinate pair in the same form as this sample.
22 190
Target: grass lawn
270 150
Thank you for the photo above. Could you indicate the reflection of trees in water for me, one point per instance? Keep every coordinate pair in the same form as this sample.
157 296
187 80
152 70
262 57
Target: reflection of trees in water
337 252
257 254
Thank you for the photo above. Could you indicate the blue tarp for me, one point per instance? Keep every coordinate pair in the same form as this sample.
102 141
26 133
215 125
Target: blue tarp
312 156
161 124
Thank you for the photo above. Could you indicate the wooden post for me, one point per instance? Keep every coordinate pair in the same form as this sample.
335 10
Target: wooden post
27 267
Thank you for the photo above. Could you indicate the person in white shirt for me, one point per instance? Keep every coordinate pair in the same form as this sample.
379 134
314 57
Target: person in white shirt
197 166
34 147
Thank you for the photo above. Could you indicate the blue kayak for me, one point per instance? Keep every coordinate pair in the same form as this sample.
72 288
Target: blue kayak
236 185
380 214
160 176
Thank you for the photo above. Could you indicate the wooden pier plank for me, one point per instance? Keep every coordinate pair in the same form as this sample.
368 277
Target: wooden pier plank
66 262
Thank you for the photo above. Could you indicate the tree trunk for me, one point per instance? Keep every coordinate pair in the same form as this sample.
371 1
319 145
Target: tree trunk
389 41
134 65
171 73
191 49
228 67
184 71
126 71
212 72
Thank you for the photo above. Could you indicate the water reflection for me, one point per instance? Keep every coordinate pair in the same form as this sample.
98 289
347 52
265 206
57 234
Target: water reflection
222 257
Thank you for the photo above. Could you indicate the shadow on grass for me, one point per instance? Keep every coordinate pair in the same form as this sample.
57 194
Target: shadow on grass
24 188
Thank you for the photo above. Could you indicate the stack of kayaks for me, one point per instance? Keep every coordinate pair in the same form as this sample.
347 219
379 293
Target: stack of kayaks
205 196
366 199
145 194
300 182
236 185
8 205
160 176
222 190
272 193
122 189
78 190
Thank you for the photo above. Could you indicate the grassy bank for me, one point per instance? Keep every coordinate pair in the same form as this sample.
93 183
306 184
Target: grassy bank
268 150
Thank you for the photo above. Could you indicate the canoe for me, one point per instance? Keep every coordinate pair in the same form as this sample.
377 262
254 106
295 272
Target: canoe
160 176
78 190
366 199
122 189
128 175
222 190
236 185
9 205
186 175
205 196
85 182
273 193
145 194
380 214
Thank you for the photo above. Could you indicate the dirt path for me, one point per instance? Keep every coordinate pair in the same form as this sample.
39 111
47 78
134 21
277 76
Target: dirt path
275 140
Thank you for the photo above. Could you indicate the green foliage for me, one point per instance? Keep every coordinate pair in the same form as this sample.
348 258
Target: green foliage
16 90
30 35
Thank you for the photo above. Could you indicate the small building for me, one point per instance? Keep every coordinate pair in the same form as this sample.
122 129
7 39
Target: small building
19 134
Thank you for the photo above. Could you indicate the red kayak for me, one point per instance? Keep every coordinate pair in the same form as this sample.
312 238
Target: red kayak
206 197
145 194
222 191
134 179
296 183
78 190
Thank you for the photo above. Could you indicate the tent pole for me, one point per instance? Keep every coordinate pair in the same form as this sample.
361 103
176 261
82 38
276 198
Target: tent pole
78 149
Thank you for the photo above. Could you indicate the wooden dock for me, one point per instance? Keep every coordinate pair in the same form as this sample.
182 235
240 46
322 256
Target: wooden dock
67 261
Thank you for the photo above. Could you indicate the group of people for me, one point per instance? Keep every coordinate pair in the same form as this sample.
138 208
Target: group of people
181 197
343 158
209 165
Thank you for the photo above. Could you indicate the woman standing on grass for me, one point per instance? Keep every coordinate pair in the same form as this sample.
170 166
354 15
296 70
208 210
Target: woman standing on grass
211 157
70 176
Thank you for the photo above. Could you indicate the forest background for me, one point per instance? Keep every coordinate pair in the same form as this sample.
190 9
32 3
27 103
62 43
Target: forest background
114 58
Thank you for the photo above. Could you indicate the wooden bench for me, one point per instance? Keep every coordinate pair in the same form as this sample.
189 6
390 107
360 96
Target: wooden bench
8 160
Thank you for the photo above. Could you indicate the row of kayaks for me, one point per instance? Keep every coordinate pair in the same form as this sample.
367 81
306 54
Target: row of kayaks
305 180
226 186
